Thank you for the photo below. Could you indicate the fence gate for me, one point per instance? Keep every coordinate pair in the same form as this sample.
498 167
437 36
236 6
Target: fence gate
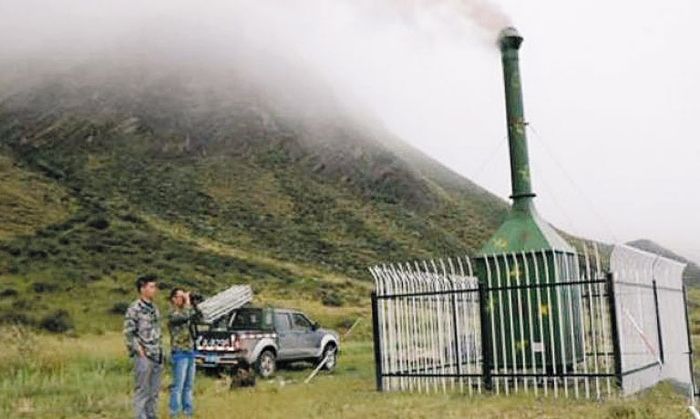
548 322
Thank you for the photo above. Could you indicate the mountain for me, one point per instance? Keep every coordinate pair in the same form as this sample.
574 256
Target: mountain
105 176
691 274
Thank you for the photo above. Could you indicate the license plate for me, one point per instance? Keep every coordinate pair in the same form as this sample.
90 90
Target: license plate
211 359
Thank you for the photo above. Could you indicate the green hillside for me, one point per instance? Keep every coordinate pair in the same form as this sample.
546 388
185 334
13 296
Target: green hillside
100 185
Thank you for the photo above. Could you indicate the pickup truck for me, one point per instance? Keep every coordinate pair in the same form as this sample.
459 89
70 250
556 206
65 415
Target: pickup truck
264 338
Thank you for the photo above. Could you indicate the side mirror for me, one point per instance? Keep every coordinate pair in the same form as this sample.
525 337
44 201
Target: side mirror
315 326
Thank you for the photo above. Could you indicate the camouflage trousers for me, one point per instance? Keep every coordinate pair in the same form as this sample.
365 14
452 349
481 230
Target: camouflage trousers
146 387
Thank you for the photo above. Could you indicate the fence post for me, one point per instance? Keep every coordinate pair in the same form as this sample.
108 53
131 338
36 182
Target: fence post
658 321
690 344
613 329
486 355
458 357
377 344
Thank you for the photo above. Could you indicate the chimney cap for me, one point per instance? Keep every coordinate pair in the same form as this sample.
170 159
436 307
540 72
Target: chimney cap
509 38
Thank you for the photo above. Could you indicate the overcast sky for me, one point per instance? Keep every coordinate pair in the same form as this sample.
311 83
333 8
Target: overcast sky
611 93
610 87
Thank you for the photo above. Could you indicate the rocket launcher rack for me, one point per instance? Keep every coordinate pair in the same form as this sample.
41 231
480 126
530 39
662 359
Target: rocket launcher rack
225 302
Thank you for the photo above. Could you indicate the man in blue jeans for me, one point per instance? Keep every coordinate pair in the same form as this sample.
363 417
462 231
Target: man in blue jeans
181 353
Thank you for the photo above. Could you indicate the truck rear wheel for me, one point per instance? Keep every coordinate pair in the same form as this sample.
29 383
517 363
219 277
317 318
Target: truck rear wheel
266 364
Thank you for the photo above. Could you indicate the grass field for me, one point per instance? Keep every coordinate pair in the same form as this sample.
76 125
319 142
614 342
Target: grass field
56 376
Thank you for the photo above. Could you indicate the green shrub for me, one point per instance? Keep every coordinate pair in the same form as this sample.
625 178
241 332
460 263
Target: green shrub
58 321
17 317
40 287
622 411
8 292
93 276
69 276
100 222
14 249
120 290
333 299
131 218
37 252
21 304
119 308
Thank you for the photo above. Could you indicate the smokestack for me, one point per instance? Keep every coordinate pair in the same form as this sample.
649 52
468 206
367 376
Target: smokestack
509 42
526 250
523 229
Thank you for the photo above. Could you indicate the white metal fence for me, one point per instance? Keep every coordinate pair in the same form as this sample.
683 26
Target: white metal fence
429 332
652 320
548 322
535 321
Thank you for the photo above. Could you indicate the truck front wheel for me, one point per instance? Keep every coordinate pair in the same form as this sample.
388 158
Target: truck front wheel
330 352
266 365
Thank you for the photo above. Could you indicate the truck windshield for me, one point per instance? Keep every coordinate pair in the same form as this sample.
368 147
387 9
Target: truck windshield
250 318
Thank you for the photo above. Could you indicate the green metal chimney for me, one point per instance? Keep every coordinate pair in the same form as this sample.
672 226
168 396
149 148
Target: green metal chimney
523 229
529 317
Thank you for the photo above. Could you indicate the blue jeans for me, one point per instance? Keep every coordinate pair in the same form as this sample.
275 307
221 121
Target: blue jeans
183 380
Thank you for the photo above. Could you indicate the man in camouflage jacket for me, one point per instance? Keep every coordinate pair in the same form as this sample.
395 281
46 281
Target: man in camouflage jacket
145 347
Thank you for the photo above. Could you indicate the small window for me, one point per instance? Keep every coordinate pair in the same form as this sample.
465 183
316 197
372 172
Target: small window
300 322
247 318
282 322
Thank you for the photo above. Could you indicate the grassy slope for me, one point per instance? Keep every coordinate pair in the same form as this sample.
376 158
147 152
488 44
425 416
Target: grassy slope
119 197
28 201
